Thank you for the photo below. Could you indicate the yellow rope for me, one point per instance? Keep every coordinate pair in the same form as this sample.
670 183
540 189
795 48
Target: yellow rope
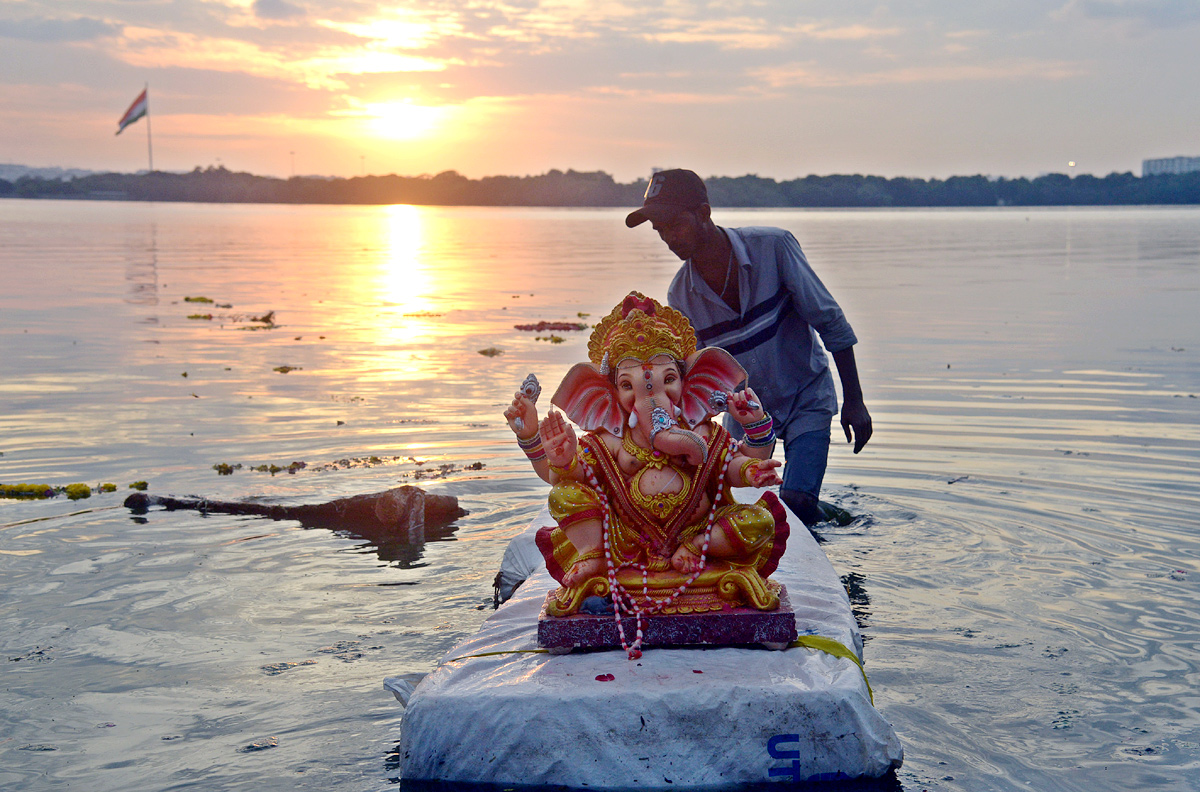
493 654
818 642
830 646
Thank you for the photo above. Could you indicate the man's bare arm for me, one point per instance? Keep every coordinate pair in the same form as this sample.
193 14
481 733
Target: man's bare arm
854 412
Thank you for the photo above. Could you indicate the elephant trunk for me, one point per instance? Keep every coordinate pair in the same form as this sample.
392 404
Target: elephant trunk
665 433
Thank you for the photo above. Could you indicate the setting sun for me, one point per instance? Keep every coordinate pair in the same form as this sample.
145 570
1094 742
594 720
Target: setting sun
403 120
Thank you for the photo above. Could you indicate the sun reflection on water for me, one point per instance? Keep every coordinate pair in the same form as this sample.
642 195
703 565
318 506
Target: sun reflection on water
404 279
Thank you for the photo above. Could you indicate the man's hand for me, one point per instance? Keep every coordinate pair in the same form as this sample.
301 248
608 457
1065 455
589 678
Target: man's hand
856 417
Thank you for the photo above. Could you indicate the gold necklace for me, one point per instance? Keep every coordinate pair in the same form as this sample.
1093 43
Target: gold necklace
660 504
644 455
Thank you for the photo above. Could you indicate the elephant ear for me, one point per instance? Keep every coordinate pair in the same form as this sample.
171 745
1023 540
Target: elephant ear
589 399
708 370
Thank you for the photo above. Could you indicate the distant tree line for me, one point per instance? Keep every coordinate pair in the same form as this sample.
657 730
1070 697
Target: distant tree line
574 188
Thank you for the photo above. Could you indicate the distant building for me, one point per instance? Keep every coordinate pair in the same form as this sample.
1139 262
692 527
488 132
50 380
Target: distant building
1157 167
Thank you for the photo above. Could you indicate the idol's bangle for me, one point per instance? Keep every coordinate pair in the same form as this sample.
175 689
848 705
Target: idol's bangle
757 432
760 442
760 425
745 471
533 448
529 443
564 472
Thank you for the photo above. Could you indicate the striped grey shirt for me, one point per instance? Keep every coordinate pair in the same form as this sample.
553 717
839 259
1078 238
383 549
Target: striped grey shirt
786 314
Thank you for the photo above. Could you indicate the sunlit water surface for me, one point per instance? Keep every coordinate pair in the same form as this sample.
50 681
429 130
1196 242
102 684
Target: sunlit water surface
1025 565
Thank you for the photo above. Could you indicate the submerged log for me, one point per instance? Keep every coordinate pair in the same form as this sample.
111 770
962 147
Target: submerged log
404 509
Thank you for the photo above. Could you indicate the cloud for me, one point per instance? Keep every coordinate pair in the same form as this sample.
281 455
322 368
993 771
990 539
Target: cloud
277 10
56 30
753 33
811 76
1155 13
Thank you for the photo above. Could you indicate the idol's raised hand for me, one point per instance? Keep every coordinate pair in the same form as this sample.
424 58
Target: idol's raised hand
745 407
522 416
558 437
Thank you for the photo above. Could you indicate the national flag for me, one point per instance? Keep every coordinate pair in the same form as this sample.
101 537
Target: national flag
139 108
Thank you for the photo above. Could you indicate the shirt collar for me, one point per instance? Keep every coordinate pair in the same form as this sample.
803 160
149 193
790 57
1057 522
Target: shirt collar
694 281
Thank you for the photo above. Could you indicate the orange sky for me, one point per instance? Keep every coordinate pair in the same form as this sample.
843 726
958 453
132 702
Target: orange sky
774 87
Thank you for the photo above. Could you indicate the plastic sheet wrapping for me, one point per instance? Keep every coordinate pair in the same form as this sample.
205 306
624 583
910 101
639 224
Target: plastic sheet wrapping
521 559
496 712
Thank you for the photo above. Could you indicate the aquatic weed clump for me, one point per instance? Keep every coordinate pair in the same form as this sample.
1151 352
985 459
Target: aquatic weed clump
27 491
78 491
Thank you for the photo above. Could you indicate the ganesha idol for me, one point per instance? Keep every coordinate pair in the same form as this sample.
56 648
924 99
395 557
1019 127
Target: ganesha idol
642 498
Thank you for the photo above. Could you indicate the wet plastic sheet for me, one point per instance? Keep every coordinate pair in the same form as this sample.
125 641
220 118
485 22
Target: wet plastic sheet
675 718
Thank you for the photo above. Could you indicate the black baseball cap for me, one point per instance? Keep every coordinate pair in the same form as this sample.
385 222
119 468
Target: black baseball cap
669 193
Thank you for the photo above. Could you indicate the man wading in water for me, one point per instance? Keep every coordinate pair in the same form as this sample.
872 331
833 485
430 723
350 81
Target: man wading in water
752 292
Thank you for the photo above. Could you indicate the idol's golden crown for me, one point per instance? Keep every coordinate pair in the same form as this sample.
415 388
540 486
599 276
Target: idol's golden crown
641 328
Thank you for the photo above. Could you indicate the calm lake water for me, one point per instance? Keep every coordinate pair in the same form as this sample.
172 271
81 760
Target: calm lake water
1026 565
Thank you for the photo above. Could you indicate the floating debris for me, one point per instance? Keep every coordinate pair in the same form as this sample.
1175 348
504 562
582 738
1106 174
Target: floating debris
260 745
346 651
139 485
273 469
421 315
275 669
37 654
224 469
378 515
106 487
38 747
197 299
491 352
264 322
207 317
542 327
347 463
286 369
553 339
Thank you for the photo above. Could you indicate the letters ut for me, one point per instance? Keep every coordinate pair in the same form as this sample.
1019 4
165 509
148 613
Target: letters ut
777 752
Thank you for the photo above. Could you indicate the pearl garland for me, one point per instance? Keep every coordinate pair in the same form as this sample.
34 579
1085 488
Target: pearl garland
622 599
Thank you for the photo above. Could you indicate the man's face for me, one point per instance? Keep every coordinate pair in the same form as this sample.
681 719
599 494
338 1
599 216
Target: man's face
681 234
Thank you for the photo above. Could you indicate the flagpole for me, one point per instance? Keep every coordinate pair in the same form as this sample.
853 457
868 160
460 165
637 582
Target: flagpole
149 145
